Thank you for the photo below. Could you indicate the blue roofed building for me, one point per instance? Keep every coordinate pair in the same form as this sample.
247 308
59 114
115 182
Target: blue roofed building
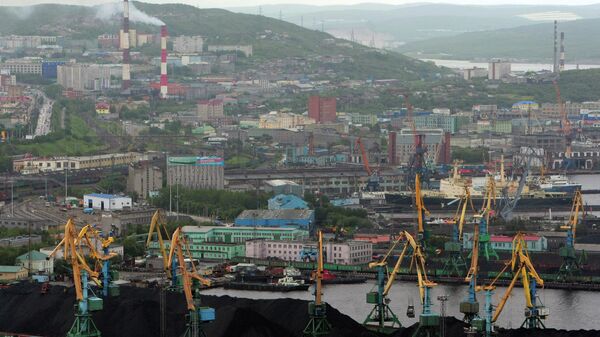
283 218
287 201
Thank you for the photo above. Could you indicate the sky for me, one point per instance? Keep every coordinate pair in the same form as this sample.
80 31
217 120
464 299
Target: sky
240 3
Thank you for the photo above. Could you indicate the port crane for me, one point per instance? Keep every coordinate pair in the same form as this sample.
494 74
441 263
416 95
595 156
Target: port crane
485 246
422 212
416 164
83 326
374 180
455 264
88 234
522 268
158 224
318 324
571 265
190 281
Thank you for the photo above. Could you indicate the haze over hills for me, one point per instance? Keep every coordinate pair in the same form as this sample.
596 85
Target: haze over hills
219 27
529 43
392 25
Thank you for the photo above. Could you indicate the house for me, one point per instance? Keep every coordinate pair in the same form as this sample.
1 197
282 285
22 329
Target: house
39 262
106 202
12 273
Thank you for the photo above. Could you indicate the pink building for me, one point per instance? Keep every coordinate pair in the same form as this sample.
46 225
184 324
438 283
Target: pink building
349 252
322 109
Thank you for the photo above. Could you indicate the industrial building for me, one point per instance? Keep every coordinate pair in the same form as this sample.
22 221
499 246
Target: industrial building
287 201
322 109
26 65
196 172
106 202
348 253
300 218
280 186
144 179
209 110
246 49
436 141
199 234
535 243
34 165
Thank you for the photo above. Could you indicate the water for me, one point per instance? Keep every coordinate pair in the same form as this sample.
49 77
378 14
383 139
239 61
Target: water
463 64
589 182
569 310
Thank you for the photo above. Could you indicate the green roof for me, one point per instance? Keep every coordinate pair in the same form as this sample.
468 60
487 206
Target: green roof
10 269
35 256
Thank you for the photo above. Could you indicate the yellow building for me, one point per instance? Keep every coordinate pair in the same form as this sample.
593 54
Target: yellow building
12 273
282 120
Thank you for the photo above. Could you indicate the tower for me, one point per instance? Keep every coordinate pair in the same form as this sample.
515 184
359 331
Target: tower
164 80
561 66
555 64
125 46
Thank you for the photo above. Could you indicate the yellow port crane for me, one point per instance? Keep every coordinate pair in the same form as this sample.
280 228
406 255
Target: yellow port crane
455 264
190 280
422 211
318 324
571 265
83 326
522 267
86 235
158 224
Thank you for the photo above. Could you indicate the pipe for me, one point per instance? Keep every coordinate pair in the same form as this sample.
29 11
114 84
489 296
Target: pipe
125 46
164 81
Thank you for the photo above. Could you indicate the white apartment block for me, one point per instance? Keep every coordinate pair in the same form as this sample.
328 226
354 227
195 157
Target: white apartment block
188 44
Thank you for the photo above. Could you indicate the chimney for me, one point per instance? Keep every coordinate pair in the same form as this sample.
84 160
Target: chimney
164 81
125 45
555 64
562 52
392 148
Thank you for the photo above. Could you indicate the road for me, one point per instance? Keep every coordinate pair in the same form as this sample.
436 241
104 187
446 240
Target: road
45 116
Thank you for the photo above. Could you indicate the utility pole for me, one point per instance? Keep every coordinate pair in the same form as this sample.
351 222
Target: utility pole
12 199
29 250
443 299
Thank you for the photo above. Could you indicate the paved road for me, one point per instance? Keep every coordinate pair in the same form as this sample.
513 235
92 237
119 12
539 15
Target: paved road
45 116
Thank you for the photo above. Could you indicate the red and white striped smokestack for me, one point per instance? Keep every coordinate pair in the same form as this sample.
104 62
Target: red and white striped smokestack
125 45
164 81
562 51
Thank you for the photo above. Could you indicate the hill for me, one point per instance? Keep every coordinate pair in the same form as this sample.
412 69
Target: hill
530 43
418 21
270 38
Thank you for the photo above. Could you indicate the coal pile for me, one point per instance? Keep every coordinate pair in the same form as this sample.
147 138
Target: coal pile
136 313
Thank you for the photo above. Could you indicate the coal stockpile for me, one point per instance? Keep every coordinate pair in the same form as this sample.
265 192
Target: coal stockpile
24 309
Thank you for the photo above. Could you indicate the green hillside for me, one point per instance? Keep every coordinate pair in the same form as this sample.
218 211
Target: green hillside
531 43
220 27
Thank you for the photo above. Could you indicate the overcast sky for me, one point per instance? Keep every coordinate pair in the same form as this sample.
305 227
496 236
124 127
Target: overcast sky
235 3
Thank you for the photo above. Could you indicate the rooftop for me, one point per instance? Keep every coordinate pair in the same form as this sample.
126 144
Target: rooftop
10 269
276 214
206 229
35 256
104 196
280 182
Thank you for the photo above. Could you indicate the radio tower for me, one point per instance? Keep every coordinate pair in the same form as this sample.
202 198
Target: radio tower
164 81
125 45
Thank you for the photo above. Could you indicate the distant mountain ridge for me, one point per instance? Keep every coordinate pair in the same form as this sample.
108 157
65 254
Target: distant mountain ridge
219 27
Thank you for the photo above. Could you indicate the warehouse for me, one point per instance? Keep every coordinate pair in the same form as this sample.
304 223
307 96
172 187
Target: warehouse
106 202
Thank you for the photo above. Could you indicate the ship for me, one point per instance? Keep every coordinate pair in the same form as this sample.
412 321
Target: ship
452 188
558 183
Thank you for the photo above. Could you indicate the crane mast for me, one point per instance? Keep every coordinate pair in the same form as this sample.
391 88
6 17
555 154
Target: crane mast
190 281
565 127
571 265
318 324
373 179
455 265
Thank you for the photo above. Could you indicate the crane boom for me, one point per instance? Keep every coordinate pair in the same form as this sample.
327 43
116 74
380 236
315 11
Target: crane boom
158 224
364 156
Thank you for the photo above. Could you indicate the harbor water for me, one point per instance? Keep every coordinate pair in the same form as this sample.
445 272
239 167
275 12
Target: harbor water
571 310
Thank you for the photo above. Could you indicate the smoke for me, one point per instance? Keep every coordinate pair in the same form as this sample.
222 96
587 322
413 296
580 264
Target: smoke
22 12
108 11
